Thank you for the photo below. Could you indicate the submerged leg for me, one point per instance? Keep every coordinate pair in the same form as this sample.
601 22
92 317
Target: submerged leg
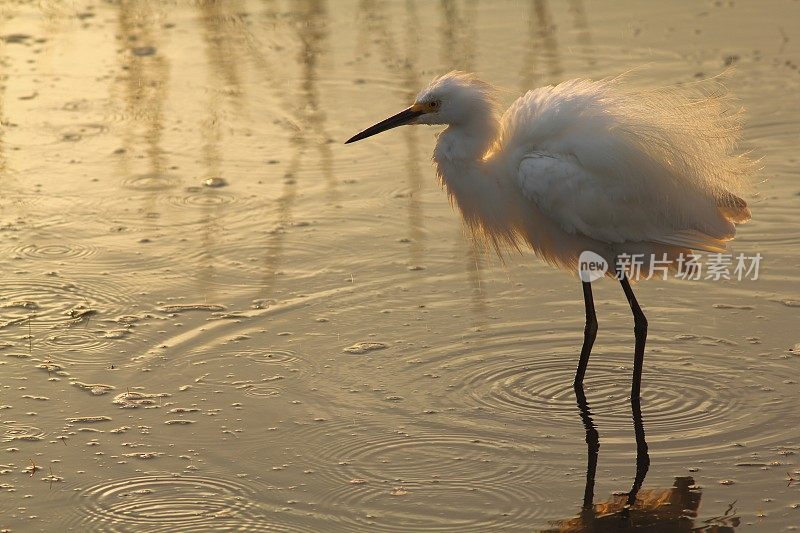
589 334
640 332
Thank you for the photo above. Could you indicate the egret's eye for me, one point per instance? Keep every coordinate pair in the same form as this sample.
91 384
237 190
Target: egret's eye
433 105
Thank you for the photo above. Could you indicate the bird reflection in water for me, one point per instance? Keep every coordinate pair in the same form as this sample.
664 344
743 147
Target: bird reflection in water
672 509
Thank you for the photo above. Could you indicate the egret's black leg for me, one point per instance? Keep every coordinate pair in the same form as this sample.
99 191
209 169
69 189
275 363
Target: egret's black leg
640 332
589 334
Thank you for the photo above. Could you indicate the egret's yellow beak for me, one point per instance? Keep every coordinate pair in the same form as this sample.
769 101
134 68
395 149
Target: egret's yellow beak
400 119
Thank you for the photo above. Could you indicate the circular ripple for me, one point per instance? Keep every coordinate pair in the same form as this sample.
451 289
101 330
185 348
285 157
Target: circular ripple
150 182
164 501
54 251
292 361
422 457
75 338
261 390
409 480
78 132
37 211
543 389
80 346
255 524
11 431
691 405
203 199
50 301
270 357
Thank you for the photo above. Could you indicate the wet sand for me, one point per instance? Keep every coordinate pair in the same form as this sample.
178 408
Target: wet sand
215 316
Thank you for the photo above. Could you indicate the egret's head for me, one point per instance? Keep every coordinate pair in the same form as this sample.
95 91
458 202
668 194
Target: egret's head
455 98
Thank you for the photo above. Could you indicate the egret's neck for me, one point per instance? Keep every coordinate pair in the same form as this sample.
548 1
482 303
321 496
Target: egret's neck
467 142
478 187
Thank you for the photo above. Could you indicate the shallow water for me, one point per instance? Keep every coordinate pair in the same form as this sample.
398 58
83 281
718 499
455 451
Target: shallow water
175 355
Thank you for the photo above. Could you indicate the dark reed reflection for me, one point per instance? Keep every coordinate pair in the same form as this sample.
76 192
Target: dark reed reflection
309 19
580 23
411 83
144 75
459 39
542 45
666 510
3 63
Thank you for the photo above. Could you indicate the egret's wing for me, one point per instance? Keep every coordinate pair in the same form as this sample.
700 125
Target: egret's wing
603 208
621 166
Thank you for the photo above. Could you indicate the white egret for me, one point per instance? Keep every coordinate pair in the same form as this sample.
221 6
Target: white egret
588 166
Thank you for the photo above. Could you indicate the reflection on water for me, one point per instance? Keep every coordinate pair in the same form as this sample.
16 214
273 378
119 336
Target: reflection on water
670 509
659 510
144 76
228 311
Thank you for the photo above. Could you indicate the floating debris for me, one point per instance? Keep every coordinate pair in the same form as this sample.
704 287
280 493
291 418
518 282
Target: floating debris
88 419
81 313
231 316
25 438
179 422
731 306
364 347
50 366
132 399
96 389
52 478
143 455
143 51
214 182
180 308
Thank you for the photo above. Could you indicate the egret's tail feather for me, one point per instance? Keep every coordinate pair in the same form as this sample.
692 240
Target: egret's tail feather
734 208
695 240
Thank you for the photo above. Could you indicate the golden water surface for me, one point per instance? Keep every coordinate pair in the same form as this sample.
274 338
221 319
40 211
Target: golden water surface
214 316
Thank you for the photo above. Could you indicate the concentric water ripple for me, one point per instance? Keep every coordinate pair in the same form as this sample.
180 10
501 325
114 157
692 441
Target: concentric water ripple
12 431
422 457
82 346
78 132
203 198
52 300
270 356
54 251
701 404
244 524
290 360
681 399
150 182
163 501
413 479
